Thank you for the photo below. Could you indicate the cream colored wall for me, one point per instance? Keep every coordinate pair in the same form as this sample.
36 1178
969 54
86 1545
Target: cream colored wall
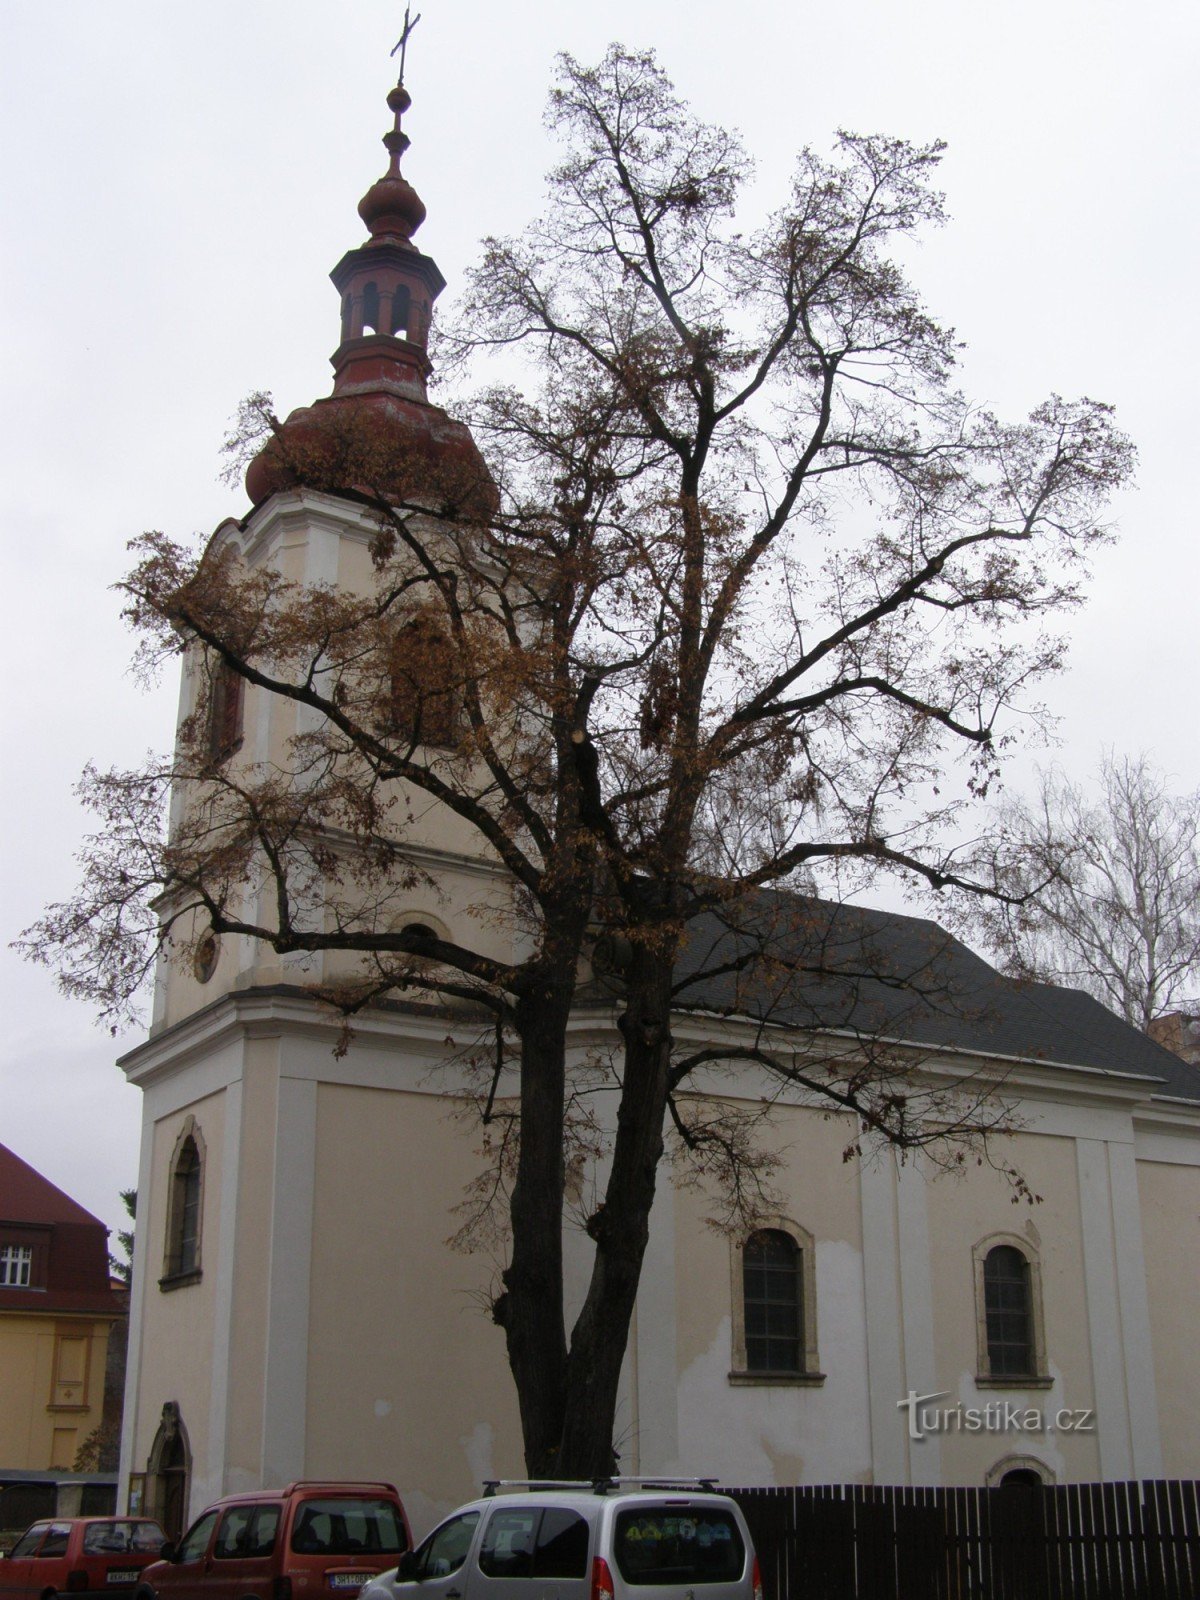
1170 1206
407 1373
176 1358
249 1319
749 1433
965 1210
28 1425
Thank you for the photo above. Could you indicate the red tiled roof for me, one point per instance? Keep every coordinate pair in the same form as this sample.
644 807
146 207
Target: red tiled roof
25 1196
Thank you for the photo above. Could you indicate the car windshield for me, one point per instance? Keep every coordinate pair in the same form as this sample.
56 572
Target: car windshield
29 1541
346 1527
689 1544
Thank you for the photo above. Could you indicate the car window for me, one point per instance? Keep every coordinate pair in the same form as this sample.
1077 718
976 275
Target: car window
507 1547
105 1538
446 1548
562 1545
148 1537
345 1527
55 1542
233 1534
29 1540
247 1532
195 1542
263 1530
692 1545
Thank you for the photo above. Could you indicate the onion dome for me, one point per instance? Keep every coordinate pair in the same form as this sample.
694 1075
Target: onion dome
392 206
377 433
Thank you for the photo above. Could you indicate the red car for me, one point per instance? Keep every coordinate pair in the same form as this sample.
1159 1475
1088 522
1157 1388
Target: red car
80 1555
310 1541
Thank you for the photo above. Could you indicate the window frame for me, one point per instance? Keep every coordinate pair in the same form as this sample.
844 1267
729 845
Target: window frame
809 1374
985 1378
185 1201
15 1254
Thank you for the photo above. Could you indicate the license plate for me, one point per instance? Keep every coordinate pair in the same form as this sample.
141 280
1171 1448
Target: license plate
349 1580
123 1575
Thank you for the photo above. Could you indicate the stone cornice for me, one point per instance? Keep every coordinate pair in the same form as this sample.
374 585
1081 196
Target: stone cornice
269 1011
279 1009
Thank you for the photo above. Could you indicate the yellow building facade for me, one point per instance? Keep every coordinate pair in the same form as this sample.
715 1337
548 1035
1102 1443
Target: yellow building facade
57 1311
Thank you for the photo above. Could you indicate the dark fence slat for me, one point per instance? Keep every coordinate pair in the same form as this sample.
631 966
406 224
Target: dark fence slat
1090 1544
1058 1567
1191 1547
1110 1541
1161 1500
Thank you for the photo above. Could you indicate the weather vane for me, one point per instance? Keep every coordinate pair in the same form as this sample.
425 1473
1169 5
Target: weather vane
402 42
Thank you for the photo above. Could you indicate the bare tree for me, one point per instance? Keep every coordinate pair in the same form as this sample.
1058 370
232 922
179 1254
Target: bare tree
1105 881
743 550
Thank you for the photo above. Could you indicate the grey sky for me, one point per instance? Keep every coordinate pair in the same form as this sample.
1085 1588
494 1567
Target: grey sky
178 181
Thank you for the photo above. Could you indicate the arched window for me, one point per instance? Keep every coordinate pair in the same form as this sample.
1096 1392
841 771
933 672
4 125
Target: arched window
1008 1312
185 1209
401 304
371 308
1019 1472
774 1325
424 697
773 1297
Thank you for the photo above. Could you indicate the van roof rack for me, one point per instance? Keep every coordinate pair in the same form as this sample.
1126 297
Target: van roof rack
598 1485
346 1485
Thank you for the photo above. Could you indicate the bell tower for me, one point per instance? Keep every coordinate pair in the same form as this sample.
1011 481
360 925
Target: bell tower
274 1168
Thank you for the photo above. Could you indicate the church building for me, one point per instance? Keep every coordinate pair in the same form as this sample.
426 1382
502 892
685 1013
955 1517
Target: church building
297 1312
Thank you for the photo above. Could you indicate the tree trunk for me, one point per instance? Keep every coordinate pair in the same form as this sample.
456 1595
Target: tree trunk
621 1227
530 1310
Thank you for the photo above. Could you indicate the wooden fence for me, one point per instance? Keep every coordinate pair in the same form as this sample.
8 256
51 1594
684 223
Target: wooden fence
1079 1541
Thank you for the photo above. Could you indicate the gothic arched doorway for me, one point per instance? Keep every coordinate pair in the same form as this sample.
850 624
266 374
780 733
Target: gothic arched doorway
167 1472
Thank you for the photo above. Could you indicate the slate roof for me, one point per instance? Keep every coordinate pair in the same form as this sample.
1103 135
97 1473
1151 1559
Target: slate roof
810 963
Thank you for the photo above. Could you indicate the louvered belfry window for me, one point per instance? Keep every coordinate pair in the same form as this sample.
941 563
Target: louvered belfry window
225 713
425 704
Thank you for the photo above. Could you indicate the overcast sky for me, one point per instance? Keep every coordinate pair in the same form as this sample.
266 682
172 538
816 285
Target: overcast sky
176 182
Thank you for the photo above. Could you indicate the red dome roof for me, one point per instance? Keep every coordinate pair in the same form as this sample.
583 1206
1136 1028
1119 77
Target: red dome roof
377 433
380 444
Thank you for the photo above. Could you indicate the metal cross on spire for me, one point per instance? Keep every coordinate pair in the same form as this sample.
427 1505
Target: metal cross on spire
402 43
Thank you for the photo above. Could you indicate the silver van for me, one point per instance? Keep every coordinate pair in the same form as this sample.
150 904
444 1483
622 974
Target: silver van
660 1540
